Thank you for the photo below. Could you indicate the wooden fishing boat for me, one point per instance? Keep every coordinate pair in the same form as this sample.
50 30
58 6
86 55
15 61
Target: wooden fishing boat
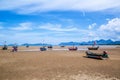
62 46
101 56
5 47
94 47
43 49
72 48
50 47
15 48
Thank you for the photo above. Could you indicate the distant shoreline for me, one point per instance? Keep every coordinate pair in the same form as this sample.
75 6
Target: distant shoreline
63 45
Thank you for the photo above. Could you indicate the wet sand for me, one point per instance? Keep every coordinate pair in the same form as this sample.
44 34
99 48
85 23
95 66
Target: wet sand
58 64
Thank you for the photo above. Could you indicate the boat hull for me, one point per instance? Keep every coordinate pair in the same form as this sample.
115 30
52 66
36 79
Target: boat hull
96 56
93 48
43 49
73 49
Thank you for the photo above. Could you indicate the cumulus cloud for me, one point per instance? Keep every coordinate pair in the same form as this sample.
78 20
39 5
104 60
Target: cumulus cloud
32 6
23 26
92 26
58 32
112 25
56 27
111 30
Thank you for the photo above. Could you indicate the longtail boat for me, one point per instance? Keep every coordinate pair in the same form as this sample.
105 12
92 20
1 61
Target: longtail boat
43 49
94 47
101 56
72 48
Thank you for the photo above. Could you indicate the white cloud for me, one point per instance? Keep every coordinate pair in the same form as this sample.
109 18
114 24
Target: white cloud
32 6
58 33
57 27
92 26
111 30
23 26
112 25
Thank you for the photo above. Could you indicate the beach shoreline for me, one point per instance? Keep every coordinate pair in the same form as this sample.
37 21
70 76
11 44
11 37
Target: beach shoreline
58 64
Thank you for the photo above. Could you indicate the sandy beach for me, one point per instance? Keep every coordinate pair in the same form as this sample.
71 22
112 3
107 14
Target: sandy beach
58 64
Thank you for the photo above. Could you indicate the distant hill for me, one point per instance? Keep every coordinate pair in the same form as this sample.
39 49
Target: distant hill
37 44
69 43
99 42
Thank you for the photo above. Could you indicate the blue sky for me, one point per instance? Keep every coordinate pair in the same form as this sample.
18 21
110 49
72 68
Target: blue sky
55 21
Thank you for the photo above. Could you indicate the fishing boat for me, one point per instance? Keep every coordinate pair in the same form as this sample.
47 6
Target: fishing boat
43 49
50 47
5 47
27 45
62 46
94 47
72 48
101 56
15 48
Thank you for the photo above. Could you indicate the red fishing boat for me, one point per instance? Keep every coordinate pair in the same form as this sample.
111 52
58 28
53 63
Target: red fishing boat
72 48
